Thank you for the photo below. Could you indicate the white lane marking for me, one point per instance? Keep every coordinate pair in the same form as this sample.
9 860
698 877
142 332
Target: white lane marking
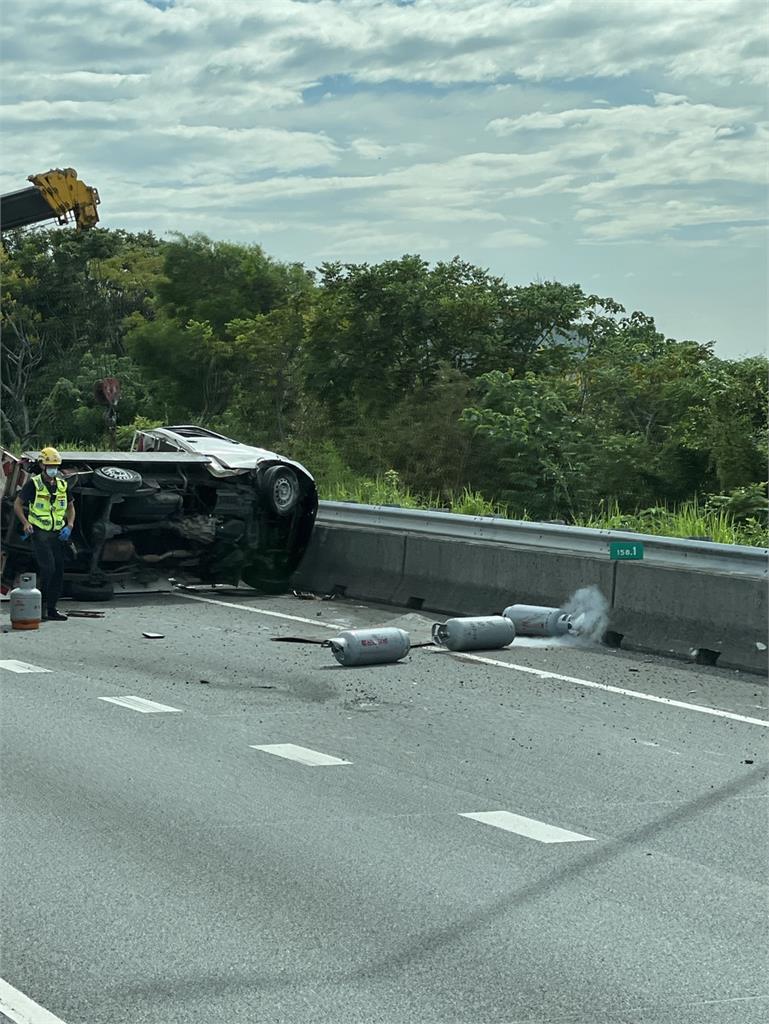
529 827
509 665
140 704
21 1009
608 689
265 611
301 754
21 666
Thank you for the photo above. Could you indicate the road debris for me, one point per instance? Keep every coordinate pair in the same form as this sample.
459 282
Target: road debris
537 620
84 613
154 636
299 640
489 633
370 646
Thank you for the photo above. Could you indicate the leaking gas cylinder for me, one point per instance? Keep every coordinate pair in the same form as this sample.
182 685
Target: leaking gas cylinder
26 603
479 633
370 646
537 620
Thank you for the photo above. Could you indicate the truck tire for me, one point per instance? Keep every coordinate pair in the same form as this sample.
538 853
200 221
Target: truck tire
280 487
116 480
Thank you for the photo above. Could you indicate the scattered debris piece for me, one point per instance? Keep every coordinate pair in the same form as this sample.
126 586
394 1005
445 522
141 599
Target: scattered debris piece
305 595
489 633
748 760
154 636
535 620
634 670
206 682
83 613
370 646
299 640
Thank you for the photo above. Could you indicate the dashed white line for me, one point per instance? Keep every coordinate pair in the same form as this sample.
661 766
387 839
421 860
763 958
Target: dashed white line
702 709
147 707
303 755
529 827
23 1010
21 666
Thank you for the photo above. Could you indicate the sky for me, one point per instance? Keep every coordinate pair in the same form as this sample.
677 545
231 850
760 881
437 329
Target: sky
619 144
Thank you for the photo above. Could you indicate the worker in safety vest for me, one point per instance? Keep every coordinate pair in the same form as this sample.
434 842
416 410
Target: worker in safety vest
48 520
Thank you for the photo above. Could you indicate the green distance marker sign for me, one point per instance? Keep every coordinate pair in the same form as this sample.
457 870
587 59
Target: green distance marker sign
622 550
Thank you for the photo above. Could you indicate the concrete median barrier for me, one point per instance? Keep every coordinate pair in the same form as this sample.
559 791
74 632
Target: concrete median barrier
471 578
709 617
366 564
701 602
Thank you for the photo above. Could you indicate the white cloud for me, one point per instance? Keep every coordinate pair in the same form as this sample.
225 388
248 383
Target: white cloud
504 125
512 238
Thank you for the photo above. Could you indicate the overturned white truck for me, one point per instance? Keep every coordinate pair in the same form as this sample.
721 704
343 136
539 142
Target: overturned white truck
184 502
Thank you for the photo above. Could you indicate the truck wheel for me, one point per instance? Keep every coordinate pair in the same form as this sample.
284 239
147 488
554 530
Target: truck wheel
280 486
116 480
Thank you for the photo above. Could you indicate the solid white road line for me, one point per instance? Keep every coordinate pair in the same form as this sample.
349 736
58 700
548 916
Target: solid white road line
146 707
21 1009
733 716
264 611
718 712
301 754
22 666
529 827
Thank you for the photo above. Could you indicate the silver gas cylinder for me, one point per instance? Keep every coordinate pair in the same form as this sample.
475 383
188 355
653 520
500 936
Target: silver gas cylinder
26 603
370 646
536 620
482 633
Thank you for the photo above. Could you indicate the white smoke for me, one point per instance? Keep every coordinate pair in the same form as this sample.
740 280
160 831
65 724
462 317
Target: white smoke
589 612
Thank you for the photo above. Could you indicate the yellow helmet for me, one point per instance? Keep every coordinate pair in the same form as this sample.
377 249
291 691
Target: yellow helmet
50 457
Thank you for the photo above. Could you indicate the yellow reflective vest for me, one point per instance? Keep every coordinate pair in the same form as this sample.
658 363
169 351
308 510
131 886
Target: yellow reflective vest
48 511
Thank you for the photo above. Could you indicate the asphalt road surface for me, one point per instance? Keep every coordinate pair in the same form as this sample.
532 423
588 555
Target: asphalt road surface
553 834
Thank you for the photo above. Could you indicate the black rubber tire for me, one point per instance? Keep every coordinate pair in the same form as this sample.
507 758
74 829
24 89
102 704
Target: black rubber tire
81 590
281 489
116 480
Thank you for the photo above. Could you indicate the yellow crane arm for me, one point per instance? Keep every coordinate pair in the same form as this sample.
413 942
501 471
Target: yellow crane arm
56 193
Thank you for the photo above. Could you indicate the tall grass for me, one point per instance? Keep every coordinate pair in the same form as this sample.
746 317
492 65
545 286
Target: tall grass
690 519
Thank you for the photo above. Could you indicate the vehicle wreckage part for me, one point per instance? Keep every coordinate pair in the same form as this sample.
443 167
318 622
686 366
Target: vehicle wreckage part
536 620
26 603
116 480
91 590
280 486
198 528
157 505
370 646
152 559
487 633
118 551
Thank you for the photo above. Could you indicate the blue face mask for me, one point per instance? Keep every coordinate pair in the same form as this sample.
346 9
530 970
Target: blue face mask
52 471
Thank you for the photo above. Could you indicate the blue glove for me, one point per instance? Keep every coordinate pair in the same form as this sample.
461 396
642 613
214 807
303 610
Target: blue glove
65 533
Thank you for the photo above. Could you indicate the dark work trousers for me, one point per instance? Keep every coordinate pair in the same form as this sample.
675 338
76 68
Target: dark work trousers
49 552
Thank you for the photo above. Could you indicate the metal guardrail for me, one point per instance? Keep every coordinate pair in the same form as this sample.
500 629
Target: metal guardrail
671 552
